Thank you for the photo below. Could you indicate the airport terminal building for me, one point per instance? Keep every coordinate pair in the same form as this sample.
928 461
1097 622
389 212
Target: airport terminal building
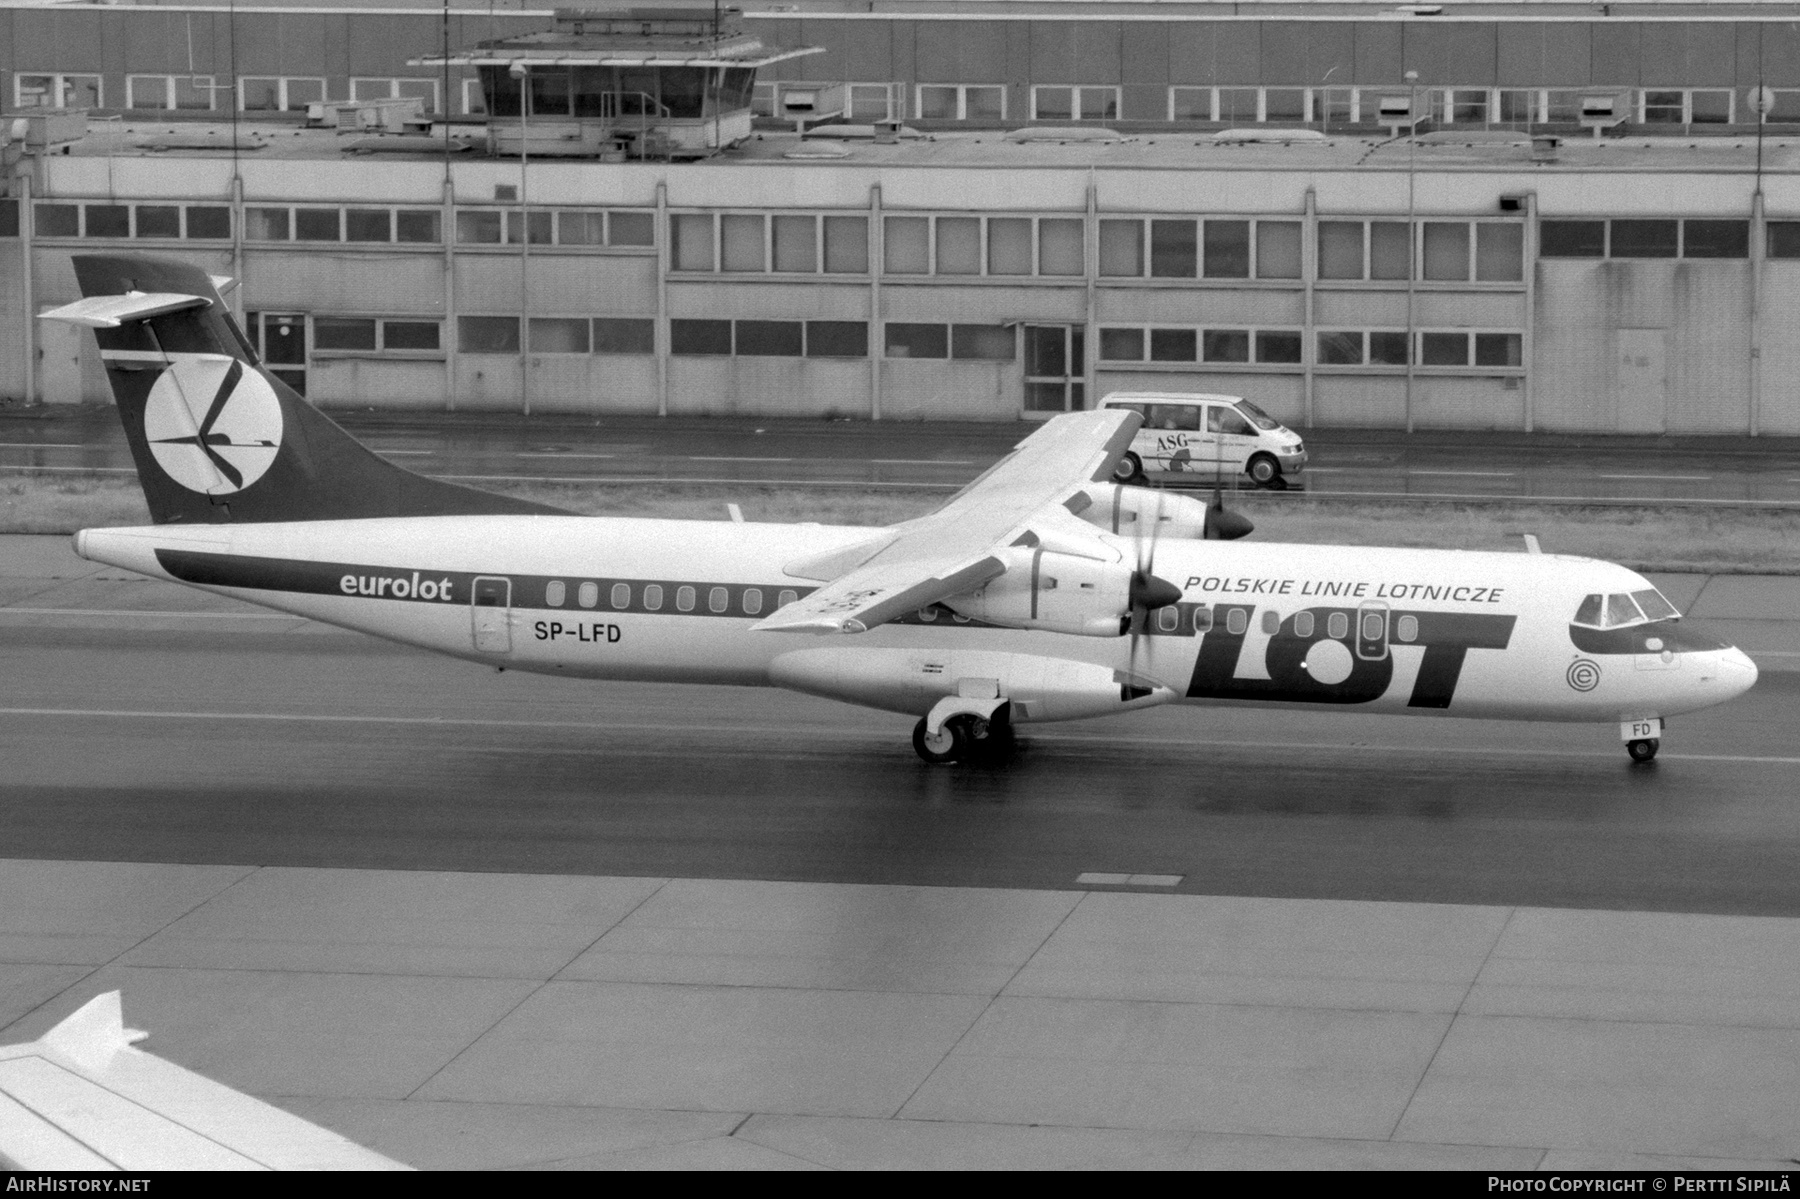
1527 216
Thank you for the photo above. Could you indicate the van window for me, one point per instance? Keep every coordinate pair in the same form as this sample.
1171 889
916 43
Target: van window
1173 416
1227 420
1257 416
1137 408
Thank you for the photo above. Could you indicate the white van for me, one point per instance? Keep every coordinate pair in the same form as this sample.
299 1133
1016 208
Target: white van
1212 437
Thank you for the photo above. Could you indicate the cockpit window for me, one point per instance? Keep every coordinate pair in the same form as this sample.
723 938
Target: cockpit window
1621 610
1612 611
1258 417
1654 605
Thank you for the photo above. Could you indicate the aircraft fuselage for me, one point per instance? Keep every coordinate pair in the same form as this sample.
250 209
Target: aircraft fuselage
1406 631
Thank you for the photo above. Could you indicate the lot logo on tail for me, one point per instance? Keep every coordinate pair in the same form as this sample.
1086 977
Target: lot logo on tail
213 425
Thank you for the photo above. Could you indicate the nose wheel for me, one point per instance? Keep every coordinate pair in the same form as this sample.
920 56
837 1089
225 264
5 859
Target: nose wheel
1644 749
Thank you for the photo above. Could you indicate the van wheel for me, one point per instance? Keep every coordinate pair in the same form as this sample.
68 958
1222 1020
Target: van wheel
1130 467
1264 472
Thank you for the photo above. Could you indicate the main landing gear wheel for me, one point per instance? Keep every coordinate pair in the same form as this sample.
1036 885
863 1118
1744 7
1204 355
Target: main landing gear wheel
951 743
1265 472
1644 750
1130 467
963 738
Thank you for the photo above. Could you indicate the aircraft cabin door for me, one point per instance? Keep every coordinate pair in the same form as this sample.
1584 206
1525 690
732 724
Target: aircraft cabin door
490 607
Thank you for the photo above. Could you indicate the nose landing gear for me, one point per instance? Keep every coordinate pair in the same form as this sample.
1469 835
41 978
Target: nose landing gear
1643 749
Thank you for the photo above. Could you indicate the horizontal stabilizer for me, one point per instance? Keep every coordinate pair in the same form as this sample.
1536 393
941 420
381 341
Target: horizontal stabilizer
109 312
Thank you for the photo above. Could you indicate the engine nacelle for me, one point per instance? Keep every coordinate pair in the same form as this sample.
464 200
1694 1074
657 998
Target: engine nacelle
1141 512
910 680
1061 593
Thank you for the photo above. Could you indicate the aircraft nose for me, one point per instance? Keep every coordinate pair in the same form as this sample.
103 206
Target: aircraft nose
1738 671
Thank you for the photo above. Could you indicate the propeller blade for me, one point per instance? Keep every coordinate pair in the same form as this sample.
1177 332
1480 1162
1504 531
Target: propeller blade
1225 525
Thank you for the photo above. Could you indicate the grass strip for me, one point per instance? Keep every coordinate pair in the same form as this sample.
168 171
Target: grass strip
1722 540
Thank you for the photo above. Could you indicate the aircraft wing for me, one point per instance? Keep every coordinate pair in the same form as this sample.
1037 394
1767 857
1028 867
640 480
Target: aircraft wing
960 546
82 1099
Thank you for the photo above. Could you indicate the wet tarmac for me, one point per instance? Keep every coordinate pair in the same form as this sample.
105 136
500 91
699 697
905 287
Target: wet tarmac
944 456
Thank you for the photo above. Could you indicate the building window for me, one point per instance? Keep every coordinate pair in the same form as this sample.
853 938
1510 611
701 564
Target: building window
1715 239
1190 104
1278 249
1268 347
906 245
1499 349
478 227
558 335
1122 248
368 224
917 341
488 334
56 220
1173 345
846 245
396 88
108 220
1447 251
474 102
56 90
1278 346
183 93
992 343
1121 345
692 236
1340 349
1443 349
1174 249
158 220
318 224
869 102
962 102
1074 103
837 339
1644 238
624 335
343 333
279 93
770 339
743 243
700 337
1784 239
1572 239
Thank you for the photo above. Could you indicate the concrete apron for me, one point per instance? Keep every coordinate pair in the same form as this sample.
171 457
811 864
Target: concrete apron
495 1020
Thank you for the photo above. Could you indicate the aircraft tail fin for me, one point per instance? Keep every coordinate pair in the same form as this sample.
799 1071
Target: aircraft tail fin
218 439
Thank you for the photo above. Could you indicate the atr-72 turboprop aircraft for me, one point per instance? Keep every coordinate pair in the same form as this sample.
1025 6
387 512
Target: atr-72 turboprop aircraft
1040 592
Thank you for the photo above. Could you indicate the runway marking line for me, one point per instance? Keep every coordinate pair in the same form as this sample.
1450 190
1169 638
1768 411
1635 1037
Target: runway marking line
1663 478
1101 878
469 721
